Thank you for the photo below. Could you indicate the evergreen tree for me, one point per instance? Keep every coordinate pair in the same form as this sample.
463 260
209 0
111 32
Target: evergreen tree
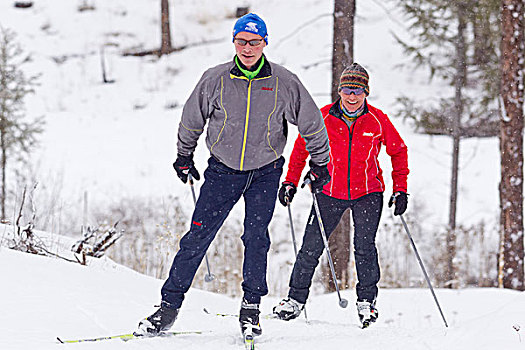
457 40
17 136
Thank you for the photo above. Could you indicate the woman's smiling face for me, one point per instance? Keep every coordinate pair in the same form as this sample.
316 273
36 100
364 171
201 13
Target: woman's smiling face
352 101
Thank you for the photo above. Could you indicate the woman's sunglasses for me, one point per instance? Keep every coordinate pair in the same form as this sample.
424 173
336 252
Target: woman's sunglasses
348 91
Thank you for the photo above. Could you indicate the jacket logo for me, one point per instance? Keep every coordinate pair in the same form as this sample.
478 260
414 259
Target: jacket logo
368 134
266 89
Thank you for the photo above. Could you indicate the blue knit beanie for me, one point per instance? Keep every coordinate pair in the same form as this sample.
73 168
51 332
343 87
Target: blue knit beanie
251 23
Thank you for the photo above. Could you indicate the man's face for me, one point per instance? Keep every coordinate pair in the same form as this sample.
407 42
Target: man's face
352 102
248 54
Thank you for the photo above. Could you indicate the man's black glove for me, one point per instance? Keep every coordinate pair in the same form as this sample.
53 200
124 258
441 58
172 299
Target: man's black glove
286 192
318 175
183 166
400 200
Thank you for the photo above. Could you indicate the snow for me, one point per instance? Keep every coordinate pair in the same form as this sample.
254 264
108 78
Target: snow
113 141
43 298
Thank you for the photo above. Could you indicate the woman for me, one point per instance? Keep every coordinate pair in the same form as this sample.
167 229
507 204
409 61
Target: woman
356 131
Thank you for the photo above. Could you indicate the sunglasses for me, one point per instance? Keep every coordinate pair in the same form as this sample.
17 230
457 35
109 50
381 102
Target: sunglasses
254 42
348 91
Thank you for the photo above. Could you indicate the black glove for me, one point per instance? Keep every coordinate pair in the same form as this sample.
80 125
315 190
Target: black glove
183 166
286 192
318 175
400 200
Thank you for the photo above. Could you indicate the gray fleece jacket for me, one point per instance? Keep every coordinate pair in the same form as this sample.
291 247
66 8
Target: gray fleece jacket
247 119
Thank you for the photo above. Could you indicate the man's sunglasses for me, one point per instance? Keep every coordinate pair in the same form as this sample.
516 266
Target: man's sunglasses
254 42
348 91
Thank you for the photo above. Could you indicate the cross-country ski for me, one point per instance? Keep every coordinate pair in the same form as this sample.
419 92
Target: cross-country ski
125 337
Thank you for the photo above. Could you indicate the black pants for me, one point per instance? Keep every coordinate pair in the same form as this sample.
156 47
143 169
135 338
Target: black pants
223 187
366 213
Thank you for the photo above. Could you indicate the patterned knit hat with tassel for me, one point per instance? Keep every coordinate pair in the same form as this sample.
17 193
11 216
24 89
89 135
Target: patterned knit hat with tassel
355 77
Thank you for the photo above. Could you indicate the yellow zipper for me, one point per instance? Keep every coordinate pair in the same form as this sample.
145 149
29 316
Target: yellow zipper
246 124
247 115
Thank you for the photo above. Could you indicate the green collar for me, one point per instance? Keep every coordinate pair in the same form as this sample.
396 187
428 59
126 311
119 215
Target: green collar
249 74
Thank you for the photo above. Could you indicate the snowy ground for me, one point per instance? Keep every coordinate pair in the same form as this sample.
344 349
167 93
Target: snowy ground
42 298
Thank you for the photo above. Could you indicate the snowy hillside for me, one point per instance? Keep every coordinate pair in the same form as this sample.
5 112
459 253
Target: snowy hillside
117 140
42 298
114 143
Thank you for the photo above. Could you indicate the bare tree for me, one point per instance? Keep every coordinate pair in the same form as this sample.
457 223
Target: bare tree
342 56
343 40
511 143
165 47
460 80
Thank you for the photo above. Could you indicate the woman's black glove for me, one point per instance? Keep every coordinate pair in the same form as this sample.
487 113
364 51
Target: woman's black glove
400 200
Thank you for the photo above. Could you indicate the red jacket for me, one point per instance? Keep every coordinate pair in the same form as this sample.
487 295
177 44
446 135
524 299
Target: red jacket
355 170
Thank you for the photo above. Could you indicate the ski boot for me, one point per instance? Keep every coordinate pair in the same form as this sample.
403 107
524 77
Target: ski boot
367 312
249 319
288 309
161 320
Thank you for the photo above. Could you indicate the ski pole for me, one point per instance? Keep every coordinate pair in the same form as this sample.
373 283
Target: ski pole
423 268
209 276
295 247
342 302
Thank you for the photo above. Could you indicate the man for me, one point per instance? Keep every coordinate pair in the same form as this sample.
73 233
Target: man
356 131
246 104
